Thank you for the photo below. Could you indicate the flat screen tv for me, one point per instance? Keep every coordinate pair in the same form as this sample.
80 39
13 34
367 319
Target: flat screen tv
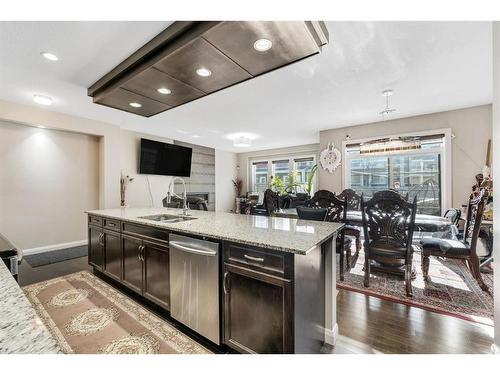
165 159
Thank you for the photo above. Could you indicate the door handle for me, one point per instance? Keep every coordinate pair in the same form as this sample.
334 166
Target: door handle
192 249
142 252
224 282
255 259
100 240
139 251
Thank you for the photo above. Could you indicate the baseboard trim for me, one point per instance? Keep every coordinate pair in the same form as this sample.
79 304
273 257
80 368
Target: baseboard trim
44 249
331 335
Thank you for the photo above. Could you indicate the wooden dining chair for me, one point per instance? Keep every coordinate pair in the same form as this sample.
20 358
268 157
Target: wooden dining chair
336 212
270 202
463 249
309 213
353 200
388 225
454 215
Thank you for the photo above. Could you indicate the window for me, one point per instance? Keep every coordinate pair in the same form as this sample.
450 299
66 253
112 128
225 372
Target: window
259 173
302 168
293 171
281 169
413 168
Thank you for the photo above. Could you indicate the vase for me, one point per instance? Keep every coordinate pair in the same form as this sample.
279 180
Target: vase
237 211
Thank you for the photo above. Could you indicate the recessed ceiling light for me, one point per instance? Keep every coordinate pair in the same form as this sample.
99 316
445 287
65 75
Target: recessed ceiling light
164 91
135 105
203 72
41 99
242 142
49 56
262 45
195 136
41 127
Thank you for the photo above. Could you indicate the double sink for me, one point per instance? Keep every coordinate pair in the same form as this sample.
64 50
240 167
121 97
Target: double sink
165 218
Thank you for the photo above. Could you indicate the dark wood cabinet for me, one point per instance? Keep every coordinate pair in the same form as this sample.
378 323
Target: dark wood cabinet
256 311
96 247
113 255
132 263
156 285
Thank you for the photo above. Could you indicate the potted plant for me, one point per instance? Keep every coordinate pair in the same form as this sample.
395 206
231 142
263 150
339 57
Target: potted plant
238 187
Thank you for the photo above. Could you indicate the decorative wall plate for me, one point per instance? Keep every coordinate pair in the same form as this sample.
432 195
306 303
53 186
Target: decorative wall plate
330 158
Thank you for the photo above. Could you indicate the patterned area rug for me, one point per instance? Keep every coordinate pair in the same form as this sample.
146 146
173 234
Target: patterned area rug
86 315
451 289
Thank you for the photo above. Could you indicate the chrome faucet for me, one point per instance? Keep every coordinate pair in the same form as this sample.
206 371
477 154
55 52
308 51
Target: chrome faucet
171 193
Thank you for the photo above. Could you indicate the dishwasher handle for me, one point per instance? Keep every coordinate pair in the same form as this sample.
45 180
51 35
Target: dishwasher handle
192 250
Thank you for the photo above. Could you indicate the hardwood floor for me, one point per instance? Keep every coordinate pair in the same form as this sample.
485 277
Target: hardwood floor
372 325
30 275
366 324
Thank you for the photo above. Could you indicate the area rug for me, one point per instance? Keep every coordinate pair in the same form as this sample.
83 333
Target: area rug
56 256
451 290
86 315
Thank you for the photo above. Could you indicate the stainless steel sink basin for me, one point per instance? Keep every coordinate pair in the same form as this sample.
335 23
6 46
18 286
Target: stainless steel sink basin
165 218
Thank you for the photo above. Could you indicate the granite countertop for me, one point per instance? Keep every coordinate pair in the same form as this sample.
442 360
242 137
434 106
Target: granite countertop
21 330
282 234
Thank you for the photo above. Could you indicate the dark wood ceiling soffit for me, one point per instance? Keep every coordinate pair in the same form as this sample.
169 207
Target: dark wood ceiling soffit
171 59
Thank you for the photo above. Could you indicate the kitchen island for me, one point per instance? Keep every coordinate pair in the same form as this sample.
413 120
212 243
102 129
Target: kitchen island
273 279
21 330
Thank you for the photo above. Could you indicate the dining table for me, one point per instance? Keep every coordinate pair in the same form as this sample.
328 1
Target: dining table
425 226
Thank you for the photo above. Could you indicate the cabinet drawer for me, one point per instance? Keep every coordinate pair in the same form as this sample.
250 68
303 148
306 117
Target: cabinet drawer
95 220
145 232
112 224
258 259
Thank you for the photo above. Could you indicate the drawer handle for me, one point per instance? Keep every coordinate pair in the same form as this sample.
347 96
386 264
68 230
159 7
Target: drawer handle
255 259
112 224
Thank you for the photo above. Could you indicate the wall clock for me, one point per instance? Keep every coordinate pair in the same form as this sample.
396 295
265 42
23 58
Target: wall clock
330 158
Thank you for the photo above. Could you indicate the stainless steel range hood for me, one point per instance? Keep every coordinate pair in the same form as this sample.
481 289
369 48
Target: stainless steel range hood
224 49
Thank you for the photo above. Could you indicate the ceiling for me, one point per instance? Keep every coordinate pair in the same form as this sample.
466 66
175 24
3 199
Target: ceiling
431 66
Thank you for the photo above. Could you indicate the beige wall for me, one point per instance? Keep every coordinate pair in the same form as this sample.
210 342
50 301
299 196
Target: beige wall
47 179
245 158
225 173
472 128
109 142
138 191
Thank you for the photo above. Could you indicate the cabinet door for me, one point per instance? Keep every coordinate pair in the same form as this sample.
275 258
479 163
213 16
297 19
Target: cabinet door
132 263
95 253
256 311
156 273
113 255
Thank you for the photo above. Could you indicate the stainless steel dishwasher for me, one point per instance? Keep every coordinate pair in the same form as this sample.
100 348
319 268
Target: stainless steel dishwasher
194 284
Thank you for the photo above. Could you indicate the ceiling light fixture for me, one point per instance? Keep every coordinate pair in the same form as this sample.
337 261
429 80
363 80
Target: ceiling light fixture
49 56
203 72
195 136
242 142
41 127
135 105
41 99
387 110
262 45
164 91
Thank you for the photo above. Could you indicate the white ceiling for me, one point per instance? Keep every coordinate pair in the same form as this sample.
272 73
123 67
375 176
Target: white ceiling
431 66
